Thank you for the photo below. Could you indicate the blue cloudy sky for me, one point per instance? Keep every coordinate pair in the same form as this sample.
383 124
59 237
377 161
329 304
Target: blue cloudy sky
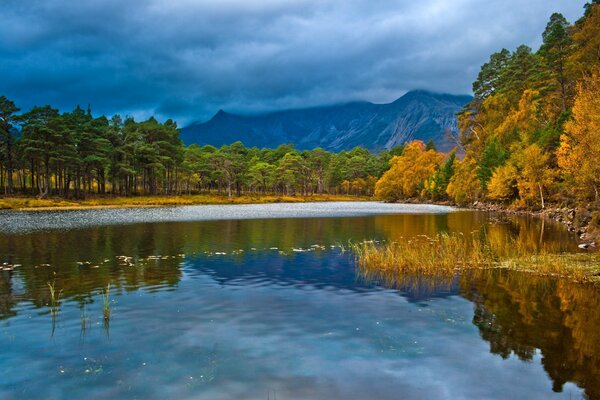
187 58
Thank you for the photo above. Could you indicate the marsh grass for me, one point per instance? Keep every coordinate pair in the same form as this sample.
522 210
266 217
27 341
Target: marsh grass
447 254
54 298
85 321
106 303
28 203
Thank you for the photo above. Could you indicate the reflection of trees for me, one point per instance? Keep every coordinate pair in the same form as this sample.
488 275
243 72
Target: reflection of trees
501 231
54 255
519 313
82 262
515 314
7 298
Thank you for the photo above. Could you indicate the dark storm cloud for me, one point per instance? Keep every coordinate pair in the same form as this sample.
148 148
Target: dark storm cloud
188 58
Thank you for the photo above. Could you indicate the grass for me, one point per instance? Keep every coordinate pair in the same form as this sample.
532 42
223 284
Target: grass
54 298
447 254
106 303
31 203
85 321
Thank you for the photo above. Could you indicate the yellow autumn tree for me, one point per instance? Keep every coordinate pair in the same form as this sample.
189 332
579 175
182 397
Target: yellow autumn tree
371 183
536 176
503 184
579 151
464 186
525 119
587 43
477 127
408 172
359 185
346 186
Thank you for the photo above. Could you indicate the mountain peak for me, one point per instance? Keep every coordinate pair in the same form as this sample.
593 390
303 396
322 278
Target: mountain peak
339 127
220 113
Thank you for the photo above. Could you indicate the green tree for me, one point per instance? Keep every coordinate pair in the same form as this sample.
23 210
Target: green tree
555 51
7 137
42 137
493 156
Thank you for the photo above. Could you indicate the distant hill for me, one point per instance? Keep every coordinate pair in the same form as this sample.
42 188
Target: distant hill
416 115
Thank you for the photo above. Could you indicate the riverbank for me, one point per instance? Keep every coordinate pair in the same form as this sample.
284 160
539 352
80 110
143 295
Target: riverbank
32 203
584 221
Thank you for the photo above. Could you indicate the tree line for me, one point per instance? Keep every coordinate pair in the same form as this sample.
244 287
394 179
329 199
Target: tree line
47 153
531 133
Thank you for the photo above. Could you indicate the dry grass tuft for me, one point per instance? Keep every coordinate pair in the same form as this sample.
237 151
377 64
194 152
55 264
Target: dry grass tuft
446 254
30 203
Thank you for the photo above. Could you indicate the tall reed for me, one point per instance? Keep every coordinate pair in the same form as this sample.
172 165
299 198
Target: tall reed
446 254
54 298
106 303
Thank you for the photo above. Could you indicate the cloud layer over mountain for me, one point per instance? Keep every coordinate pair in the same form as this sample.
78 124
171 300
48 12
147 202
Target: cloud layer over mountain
188 58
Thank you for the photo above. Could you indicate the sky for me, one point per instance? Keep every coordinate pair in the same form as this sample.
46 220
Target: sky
186 59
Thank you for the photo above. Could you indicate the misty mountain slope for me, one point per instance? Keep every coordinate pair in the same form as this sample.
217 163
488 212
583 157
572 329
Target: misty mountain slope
416 115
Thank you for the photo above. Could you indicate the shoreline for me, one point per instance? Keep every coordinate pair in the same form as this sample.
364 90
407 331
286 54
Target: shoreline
27 204
578 220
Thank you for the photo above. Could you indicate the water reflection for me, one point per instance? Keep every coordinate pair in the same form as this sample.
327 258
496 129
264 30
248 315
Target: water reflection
84 261
243 298
520 314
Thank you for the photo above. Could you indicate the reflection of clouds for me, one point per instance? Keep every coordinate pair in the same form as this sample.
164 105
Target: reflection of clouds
291 339
207 340
241 325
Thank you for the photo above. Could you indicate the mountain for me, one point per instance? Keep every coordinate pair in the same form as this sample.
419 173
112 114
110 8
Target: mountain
416 115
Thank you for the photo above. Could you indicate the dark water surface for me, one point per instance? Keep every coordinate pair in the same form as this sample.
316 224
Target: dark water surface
205 307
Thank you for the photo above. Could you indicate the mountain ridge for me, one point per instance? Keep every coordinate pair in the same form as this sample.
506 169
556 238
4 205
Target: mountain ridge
418 114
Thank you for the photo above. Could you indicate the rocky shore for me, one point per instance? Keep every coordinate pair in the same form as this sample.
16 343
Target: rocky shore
579 220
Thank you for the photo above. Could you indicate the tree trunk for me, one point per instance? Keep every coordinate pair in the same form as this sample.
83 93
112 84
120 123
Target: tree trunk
46 178
9 166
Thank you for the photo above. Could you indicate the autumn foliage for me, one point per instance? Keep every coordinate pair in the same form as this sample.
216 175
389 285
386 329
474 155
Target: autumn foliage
530 136
579 152
408 172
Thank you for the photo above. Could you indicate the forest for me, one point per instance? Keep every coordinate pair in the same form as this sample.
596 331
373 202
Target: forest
530 136
74 154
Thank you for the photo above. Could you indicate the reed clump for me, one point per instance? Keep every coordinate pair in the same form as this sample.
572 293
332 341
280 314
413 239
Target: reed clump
85 321
447 254
106 303
54 298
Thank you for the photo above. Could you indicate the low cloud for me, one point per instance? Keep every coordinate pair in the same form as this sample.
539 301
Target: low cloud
186 59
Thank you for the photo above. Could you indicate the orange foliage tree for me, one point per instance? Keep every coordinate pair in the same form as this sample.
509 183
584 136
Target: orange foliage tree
579 152
408 172
464 186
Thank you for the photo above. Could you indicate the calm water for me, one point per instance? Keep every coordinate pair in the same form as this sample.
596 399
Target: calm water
268 305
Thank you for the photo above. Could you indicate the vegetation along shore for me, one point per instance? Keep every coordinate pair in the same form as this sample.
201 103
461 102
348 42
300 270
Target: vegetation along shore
56 203
529 141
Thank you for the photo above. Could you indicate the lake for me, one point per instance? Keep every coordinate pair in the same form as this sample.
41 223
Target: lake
266 302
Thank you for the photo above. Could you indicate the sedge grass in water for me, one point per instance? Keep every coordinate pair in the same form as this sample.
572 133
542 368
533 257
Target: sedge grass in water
447 254
54 298
106 303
